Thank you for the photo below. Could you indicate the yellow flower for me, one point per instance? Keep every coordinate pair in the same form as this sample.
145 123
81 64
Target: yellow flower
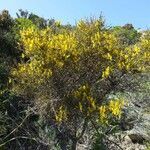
102 114
92 102
22 55
115 107
61 114
136 50
80 107
109 56
106 72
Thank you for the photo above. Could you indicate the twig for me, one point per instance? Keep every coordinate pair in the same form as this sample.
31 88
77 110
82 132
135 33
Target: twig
24 137
14 130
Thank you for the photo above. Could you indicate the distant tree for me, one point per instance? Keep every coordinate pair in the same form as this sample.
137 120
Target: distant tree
38 21
8 45
6 21
126 34
128 26
22 14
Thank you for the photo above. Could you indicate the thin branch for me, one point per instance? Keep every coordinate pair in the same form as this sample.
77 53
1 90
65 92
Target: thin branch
14 130
24 137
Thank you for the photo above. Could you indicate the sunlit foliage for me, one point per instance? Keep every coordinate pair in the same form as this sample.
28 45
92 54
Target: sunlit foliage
49 53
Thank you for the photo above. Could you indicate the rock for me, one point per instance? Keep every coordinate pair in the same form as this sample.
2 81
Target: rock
141 131
125 143
135 121
136 137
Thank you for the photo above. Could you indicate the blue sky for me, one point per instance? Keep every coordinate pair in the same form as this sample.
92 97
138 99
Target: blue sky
116 12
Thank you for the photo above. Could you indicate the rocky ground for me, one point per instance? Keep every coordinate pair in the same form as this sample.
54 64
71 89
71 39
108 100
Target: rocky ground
137 118
135 134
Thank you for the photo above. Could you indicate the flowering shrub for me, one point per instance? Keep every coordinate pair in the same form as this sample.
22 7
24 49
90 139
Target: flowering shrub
63 67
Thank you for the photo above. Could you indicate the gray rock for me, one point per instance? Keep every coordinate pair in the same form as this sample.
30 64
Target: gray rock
141 130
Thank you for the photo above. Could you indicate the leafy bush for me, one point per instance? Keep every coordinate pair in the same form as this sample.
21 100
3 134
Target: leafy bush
65 67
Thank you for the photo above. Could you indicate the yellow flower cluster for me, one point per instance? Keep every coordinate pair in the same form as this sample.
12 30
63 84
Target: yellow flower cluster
114 107
103 114
106 72
85 99
86 49
61 114
87 104
53 50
